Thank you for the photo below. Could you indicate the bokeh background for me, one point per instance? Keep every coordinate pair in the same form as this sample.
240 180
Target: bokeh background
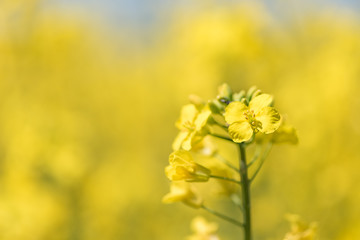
90 91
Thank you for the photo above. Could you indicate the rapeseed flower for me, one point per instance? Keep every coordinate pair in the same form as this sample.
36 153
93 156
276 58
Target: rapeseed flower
183 192
203 230
300 230
183 167
258 116
284 134
192 126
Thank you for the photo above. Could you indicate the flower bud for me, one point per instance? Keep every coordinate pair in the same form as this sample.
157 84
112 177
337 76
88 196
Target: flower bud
197 101
183 167
238 96
250 93
215 106
225 92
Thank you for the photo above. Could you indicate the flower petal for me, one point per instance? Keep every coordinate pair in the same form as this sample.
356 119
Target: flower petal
269 118
187 115
188 141
180 138
201 119
259 102
181 156
234 112
240 131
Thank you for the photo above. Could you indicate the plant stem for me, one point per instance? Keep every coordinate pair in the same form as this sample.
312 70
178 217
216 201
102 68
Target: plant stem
245 190
222 216
262 160
221 137
225 178
222 159
255 157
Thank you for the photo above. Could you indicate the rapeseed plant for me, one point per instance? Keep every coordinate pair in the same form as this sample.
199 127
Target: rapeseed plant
242 118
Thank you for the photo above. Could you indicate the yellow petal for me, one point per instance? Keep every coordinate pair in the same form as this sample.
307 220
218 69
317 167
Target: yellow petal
234 112
201 119
181 156
240 131
180 138
187 115
188 142
259 102
269 118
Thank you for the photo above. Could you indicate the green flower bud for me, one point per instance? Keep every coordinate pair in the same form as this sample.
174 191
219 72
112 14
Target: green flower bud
238 96
225 92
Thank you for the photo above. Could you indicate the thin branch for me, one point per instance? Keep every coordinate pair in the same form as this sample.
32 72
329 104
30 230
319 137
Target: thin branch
222 159
237 201
262 160
220 136
255 157
226 179
224 217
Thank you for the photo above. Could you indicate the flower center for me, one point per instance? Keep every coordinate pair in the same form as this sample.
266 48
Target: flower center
251 118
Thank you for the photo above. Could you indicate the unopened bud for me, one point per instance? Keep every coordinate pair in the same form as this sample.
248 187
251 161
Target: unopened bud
225 92
238 96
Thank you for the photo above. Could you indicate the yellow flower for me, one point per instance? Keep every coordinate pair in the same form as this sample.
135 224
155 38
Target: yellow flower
246 120
300 230
192 124
182 192
206 147
183 167
203 230
284 134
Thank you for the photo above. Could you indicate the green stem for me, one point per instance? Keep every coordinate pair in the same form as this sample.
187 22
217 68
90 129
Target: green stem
262 160
222 216
255 157
220 136
245 190
237 201
222 159
225 178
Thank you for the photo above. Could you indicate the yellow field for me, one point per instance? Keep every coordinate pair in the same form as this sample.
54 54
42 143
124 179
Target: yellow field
87 119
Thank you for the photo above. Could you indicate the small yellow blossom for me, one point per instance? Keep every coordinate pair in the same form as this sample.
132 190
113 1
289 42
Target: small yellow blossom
246 120
183 167
191 124
203 230
300 230
284 134
182 192
205 147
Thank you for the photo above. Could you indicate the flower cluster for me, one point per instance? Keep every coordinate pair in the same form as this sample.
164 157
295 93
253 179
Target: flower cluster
242 118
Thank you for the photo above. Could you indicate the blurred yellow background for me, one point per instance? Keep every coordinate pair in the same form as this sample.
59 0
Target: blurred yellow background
87 116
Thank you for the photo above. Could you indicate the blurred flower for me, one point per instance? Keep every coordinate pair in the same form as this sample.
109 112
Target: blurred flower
192 126
299 229
258 116
226 188
203 229
183 167
284 134
182 192
206 147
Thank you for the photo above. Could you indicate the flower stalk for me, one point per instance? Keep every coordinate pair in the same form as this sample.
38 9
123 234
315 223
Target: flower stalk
243 119
222 216
245 192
